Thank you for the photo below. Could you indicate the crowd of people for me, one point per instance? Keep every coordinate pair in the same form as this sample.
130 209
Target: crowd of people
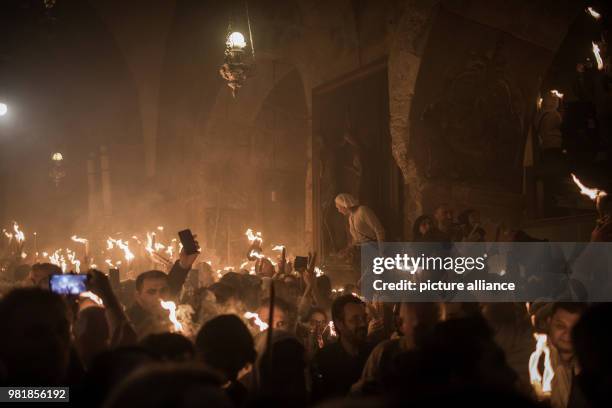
284 337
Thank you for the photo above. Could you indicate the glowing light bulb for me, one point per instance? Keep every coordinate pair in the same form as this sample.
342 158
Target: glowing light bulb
57 157
236 40
3 109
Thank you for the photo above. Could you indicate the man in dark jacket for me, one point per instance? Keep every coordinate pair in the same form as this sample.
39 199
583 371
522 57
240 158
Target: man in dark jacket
154 286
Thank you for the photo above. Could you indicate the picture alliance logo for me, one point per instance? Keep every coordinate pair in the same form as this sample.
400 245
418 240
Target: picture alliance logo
412 264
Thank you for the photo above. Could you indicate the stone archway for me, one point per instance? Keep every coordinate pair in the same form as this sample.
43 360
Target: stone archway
251 168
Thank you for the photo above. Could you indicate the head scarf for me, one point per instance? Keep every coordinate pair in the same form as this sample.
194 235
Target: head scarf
346 200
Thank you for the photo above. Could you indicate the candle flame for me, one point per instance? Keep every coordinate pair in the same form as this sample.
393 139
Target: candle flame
171 308
254 236
592 193
597 54
542 382
593 13
149 246
278 247
7 234
557 93
124 246
254 317
93 297
318 272
80 240
73 260
332 329
256 254
19 235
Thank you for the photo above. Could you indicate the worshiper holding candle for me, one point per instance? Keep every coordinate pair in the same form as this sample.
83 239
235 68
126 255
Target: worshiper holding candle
154 286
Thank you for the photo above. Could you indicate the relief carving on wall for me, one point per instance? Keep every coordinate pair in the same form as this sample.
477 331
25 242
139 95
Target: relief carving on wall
474 127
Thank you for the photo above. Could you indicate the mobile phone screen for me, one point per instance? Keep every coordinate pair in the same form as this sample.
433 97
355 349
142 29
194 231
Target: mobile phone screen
68 284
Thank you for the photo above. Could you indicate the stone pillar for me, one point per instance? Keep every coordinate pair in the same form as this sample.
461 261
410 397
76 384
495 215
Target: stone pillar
107 205
404 63
309 196
91 188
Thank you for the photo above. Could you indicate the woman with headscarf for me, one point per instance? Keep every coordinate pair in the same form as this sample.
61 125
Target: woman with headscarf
364 226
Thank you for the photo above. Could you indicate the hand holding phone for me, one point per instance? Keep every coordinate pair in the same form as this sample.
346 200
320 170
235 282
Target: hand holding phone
190 251
190 246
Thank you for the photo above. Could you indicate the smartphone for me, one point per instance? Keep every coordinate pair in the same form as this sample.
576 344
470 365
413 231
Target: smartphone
68 284
189 244
300 263
113 277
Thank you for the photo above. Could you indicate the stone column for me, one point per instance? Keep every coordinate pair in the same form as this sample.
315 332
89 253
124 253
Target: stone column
107 205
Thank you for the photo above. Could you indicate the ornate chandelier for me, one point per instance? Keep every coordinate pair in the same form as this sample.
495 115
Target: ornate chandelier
238 65
57 172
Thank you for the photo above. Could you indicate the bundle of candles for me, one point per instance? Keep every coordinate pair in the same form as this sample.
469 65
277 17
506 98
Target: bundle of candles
131 255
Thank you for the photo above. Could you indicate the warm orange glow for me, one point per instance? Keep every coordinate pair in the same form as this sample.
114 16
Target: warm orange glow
254 236
149 246
124 246
79 240
93 297
542 383
593 13
592 193
171 308
254 317
597 54
8 234
557 93
255 254
19 235
332 329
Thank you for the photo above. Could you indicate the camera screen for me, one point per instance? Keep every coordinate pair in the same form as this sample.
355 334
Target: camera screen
68 284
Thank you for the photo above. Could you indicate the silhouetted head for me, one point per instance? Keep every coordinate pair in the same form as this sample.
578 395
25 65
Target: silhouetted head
40 273
592 340
181 386
225 344
169 346
34 337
